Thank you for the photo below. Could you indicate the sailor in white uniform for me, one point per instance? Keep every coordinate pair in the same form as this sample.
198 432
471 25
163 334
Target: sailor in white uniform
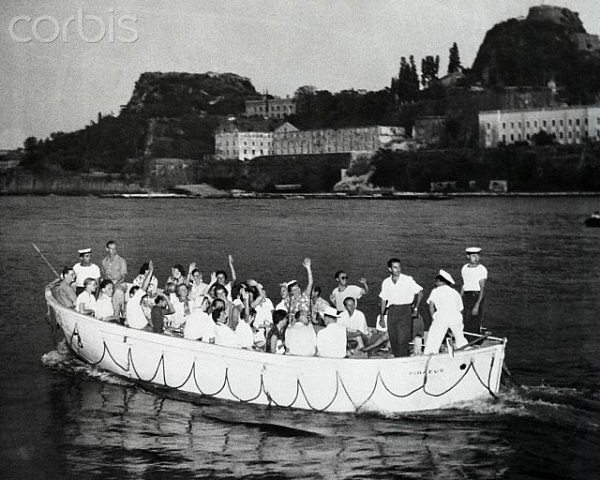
445 307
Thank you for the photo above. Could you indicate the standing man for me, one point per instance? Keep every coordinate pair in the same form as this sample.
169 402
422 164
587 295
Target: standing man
474 276
114 268
343 290
85 269
400 296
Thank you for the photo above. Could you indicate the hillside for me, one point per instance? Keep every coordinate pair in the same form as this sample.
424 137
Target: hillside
550 44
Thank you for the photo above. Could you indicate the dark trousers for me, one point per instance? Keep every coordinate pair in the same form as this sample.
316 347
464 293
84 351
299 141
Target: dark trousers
399 323
472 323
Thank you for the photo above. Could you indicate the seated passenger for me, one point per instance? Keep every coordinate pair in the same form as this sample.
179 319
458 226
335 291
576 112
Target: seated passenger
86 301
352 318
105 310
220 278
300 338
200 325
283 291
318 307
64 292
162 306
300 299
275 342
197 287
332 340
263 306
224 334
134 315
445 307
183 306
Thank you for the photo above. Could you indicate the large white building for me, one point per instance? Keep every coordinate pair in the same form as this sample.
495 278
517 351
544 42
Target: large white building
270 107
569 125
243 145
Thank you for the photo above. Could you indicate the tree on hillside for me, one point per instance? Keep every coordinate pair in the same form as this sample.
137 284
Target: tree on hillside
430 67
454 59
406 86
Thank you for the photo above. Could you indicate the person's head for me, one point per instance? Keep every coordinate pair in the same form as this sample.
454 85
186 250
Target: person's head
204 303
341 277
316 293
330 315
111 247
217 304
132 290
182 292
177 271
251 316
90 285
302 317
161 301
473 255
294 289
85 256
350 304
170 287
221 277
444 278
279 316
68 275
219 315
394 266
221 292
283 291
197 276
107 287
144 268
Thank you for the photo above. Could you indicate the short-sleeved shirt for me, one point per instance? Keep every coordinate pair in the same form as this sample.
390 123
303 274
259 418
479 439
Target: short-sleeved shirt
134 316
301 339
353 291
244 334
89 271
225 336
199 326
87 299
356 322
115 269
104 307
471 277
296 304
140 279
446 300
400 293
331 341
65 295
264 314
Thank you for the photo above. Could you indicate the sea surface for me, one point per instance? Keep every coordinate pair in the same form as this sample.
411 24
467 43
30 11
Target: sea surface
61 419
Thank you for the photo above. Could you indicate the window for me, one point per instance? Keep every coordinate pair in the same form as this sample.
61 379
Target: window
570 122
544 123
570 135
554 123
503 125
560 122
512 124
527 124
512 137
585 121
519 124
577 121
561 135
535 124
489 126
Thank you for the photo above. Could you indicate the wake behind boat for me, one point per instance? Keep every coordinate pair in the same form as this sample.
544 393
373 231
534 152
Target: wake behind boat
383 385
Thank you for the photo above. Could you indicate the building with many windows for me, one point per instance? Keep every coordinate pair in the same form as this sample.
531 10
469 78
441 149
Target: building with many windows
288 140
569 125
270 107
243 145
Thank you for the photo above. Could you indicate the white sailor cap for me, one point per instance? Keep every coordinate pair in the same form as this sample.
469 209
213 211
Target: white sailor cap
472 250
83 251
446 276
331 312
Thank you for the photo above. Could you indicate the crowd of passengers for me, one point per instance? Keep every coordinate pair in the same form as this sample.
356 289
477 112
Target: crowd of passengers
226 312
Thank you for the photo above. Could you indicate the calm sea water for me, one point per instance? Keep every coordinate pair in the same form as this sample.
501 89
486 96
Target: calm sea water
62 419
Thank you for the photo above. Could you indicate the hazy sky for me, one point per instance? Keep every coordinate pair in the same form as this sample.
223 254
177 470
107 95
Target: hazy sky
60 85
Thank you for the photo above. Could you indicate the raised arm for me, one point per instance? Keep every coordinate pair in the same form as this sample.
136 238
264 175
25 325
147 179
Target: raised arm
365 287
148 276
309 284
233 276
188 279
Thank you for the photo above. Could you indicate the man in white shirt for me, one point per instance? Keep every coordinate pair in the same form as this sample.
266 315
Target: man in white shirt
474 276
400 297
199 324
104 307
331 340
343 290
183 306
300 338
445 307
85 269
352 319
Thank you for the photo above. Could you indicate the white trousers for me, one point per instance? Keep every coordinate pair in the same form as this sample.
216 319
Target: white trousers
441 323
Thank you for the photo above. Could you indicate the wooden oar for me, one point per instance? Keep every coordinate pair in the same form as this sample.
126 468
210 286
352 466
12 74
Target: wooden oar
45 260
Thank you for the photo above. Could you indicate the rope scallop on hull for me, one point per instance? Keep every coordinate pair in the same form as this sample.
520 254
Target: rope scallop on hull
312 383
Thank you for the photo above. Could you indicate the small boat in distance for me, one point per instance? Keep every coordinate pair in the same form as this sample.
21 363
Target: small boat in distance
593 220
381 385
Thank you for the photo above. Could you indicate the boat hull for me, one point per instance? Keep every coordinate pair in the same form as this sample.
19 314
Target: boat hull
393 385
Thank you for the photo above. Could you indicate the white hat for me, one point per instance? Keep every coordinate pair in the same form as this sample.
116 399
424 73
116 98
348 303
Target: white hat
331 312
446 276
472 250
83 251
